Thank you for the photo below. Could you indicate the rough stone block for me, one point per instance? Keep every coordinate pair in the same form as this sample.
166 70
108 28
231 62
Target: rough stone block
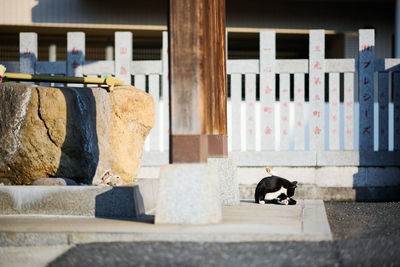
80 133
188 194
228 183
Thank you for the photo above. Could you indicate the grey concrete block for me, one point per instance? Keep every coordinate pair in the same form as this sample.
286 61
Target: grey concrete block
188 194
228 183
99 201
148 190
315 221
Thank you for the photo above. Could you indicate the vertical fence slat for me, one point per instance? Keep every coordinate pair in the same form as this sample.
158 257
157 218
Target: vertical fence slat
154 90
28 52
348 110
396 111
250 83
383 110
284 99
267 89
140 83
299 111
123 56
75 55
165 91
236 100
317 88
52 52
366 84
334 113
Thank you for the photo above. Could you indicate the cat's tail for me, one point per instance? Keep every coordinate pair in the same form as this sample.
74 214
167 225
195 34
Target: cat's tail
269 170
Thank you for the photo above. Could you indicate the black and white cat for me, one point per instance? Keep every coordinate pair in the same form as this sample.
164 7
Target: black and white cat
275 189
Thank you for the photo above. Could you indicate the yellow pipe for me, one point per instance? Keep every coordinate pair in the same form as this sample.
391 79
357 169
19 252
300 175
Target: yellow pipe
110 81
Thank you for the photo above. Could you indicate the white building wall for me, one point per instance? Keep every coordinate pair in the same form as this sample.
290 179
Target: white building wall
334 15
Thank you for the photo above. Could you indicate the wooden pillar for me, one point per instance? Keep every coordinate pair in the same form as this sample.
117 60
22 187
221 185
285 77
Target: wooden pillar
217 130
197 80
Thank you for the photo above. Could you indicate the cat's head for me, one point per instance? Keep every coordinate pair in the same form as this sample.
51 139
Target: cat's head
290 190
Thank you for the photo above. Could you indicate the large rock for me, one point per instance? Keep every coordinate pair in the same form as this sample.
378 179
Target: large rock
85 134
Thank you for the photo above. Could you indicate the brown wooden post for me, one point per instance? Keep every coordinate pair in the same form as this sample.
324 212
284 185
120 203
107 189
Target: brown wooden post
217 131
197 80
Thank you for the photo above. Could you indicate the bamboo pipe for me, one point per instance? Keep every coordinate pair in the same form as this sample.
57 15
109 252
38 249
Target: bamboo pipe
110 81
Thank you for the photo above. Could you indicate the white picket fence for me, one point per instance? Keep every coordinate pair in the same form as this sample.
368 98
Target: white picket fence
264 130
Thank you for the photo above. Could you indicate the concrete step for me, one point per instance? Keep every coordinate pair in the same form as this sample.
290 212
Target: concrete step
246 222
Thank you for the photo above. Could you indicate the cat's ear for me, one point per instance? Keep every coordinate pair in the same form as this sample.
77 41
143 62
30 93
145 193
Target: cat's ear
294 183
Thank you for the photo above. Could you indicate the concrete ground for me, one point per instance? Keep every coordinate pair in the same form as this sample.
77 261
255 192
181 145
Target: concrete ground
364 234
37 236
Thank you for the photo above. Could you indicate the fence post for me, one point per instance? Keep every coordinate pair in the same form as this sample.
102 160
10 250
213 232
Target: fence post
396 111
348 111
140 83
250 84
75 55
334 111
299 111
366 69
317 88
165 91
123 56
284 99
236 100
28 52
267 89
154 90
383 109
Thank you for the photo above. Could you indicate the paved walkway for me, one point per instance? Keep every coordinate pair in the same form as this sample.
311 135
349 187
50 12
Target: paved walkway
246 222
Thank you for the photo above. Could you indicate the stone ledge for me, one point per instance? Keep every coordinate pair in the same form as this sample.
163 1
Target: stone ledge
296 158
98 201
